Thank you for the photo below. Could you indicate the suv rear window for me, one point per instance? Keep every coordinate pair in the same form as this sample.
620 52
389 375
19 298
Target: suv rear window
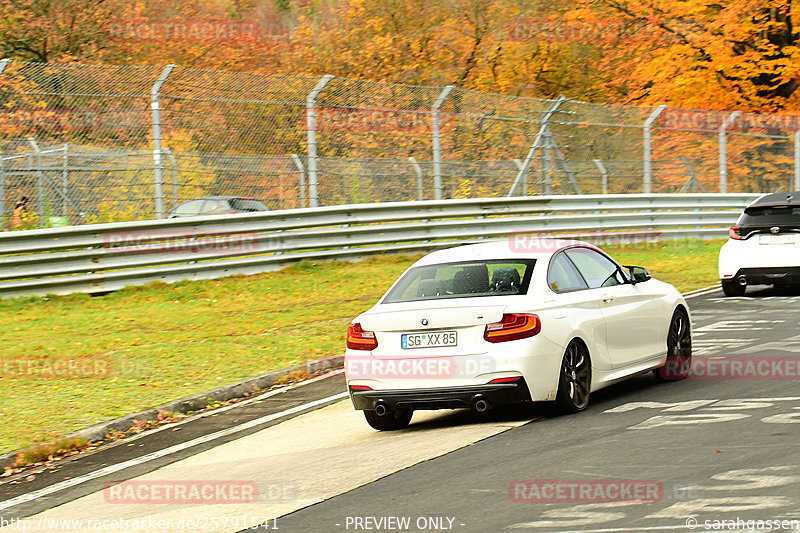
768 216
463 280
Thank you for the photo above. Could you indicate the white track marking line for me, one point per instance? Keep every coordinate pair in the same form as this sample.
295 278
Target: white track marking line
702 292
166 451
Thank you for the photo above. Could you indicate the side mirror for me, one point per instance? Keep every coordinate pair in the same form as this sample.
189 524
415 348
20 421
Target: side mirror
639 274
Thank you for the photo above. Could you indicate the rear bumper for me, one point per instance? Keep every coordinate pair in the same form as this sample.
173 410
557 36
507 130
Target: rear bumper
768 275
442 398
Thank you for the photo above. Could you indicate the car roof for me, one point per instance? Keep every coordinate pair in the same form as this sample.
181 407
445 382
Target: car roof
514 247
790 198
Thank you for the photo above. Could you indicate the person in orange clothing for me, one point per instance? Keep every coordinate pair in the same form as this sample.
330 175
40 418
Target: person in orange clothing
20 215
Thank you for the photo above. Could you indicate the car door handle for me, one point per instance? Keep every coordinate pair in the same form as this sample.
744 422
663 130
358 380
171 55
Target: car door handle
607 298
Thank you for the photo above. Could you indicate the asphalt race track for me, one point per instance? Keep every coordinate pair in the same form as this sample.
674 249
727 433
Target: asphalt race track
718 452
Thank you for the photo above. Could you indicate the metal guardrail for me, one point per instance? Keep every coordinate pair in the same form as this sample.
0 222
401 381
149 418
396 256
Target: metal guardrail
105 257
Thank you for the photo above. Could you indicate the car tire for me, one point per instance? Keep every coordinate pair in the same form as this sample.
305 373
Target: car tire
397 419
574 379
679 349
732 288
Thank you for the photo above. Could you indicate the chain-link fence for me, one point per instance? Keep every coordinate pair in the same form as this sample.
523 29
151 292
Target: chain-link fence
105 143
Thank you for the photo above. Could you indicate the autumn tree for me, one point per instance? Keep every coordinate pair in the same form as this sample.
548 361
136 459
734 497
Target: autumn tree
54 30
739 54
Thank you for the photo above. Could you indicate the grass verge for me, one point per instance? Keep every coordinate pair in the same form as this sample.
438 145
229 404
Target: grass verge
67 362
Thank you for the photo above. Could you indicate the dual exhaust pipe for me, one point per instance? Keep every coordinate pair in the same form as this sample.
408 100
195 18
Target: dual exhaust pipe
381 409
742 280
479 405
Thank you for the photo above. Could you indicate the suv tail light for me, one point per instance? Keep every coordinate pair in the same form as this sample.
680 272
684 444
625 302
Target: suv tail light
735 233
358 339
513 326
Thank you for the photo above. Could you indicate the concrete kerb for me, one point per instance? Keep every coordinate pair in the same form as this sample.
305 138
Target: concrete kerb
195 402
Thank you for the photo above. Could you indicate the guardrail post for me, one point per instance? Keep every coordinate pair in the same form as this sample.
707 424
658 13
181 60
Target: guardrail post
302 171
648 149
723 151
418 172
155 104
796 161
437 143
603 174
544 131
311 123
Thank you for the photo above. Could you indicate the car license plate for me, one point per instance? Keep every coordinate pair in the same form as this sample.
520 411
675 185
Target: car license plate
433 339
776 239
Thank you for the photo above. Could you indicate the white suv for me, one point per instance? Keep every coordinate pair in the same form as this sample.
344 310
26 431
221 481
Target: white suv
764 245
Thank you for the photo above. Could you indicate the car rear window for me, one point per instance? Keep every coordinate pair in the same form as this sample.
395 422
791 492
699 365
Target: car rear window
767 216
462 280
241 204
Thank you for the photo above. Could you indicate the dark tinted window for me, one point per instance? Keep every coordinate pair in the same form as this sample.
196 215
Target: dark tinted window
460 280
764 217
241 204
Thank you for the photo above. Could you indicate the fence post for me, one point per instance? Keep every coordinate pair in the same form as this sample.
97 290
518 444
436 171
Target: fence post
544 131
647 186
39 185
603 174
2 191
518 164
65 180
796 161
311 122
155 103
3 64
418 172
437 143
723 151
302 171
174 164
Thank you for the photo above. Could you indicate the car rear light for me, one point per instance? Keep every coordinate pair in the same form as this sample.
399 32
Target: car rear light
360 387
358 339
231 212
505 380
735 233
513 326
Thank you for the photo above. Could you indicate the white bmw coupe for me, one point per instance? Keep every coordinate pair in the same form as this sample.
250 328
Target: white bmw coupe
493 324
